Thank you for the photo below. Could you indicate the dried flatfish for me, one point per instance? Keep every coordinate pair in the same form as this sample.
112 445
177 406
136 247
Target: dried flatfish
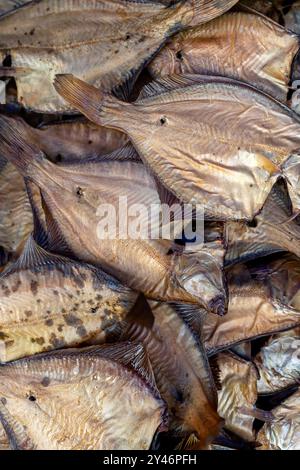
238 394
283 430
49 302
271 231
244 46
278 364
180 367
262 301
95 399
46 38
73 196
16 221
226 157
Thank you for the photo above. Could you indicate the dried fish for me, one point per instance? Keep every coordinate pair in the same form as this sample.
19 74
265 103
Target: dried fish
4 443
283 430
8 5
278 363
238 394
101 398
262 301
244 46
49 302
44 39
292 18
271 231
180 367
72 195
240 143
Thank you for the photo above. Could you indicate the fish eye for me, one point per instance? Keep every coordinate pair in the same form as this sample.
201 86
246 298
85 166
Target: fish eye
32 398
253 223
79 192
163 120
179 55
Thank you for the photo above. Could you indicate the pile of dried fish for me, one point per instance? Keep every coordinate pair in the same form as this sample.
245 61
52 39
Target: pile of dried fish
151 342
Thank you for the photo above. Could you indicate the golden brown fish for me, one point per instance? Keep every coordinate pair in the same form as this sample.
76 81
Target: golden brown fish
271 231
100 398
217 143
282 432
180 368
105 42
262 301
238 394
49 302
278 363
245 47
73 197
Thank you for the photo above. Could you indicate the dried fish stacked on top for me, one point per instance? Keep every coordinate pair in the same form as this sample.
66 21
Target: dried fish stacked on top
190 345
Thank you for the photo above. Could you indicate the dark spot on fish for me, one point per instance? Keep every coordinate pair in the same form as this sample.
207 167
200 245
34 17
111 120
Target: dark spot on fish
81 331
57 342
60 328
90 142
3 400
253 223
32 32
34 287
48 311
28 313
107 312
79 192
3 336
142 38
178 396
38 301
78 292
16 286
94 309
48 9
49 322
19 42
40 341
32 398
72 320
45 382
25 34
90 301
63 310
55 292
58 157
179 55
5 289
70 296
251 185
127 37
116 51
163 120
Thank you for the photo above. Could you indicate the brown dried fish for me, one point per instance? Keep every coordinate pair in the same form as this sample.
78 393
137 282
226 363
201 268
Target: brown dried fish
72 195
238 394
270 231
95 399
180 367
44 39
278 363
283 430
244 46
225 157
49 302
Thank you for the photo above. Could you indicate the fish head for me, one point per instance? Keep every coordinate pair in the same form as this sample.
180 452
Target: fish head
172 59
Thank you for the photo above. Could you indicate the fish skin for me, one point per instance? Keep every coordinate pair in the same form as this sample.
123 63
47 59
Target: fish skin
49 302
181 370
271 231
262 302
71 196
238 393
283 432
9 5
90 399
278 364
4 443
230 165
245 47
123 35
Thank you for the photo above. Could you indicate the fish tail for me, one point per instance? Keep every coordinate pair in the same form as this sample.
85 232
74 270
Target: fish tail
196 12
89 100
16 145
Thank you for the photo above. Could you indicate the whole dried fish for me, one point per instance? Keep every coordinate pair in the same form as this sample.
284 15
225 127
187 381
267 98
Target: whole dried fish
72 195
44 39
96 399
180 367
278 364
238 394
240 143
244 46
283 430
50 302
262 301
271 231
16 221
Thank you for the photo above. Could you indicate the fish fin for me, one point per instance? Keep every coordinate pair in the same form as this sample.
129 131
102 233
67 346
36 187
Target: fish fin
167 84
204 11
39 223
290 171
141 313
192 315
16 146
127 153
84 97
15 431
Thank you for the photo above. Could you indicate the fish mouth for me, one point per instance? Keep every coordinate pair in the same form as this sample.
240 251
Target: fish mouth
218 305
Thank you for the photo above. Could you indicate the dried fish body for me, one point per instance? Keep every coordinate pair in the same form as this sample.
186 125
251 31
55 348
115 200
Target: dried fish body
245 47
271 231
238 394
96 399
4 443
49 302
283 430
230 164
44 39
182 372
278 364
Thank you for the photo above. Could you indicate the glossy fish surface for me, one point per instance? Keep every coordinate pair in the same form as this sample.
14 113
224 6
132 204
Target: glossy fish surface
49 302
244 46
239 144
105 42
100 398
